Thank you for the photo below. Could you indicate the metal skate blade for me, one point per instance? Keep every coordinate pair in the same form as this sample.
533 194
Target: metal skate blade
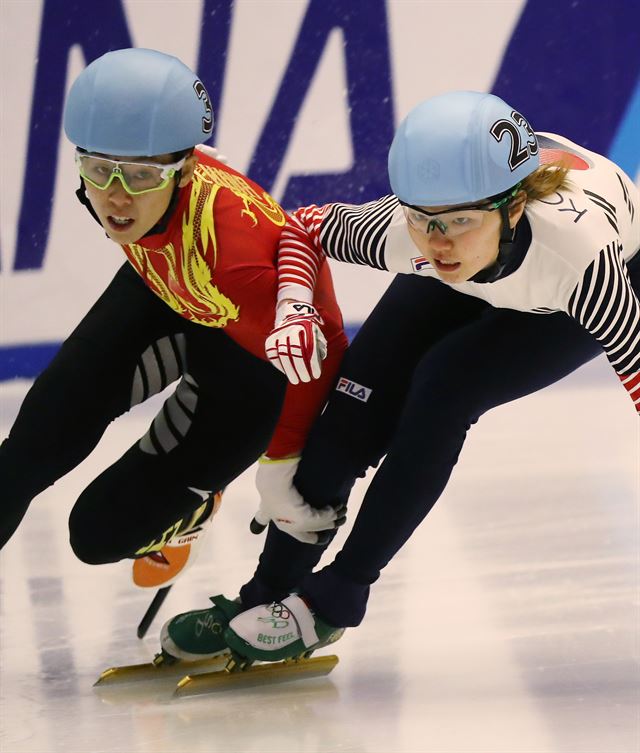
151 671
257 674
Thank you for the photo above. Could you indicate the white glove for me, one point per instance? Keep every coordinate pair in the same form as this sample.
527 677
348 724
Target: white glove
282 504
211 151
296 346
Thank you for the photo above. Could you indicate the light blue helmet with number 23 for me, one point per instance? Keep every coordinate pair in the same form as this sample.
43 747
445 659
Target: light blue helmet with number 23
137 103
458 148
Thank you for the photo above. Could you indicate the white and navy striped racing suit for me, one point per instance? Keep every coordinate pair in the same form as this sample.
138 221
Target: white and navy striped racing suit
433 357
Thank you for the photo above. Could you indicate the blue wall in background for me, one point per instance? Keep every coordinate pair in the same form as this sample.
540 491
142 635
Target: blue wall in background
570 67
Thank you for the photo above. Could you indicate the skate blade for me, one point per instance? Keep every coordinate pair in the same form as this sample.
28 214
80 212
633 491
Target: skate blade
151 671
255 675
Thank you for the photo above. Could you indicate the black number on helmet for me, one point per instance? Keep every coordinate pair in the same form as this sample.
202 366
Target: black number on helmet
519 152
207 120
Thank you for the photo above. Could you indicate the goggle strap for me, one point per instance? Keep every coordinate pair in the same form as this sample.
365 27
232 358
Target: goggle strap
494 202
499 201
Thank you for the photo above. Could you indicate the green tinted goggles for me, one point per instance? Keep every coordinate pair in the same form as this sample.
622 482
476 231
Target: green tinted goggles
455 221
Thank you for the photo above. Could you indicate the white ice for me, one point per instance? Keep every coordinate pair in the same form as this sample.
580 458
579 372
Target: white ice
508 624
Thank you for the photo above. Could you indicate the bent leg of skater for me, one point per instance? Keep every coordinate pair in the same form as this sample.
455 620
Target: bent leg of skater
214 426
494 360
126 348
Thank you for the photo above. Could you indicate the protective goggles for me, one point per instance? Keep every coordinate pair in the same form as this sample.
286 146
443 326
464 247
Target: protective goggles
136 177
456 221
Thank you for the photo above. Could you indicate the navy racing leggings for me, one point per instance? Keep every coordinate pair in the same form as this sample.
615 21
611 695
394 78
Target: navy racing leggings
429 361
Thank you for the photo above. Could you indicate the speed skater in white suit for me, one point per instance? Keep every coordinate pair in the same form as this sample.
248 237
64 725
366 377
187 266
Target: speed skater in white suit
518 261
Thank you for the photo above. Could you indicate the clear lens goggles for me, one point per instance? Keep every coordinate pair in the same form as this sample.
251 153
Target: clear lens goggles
453 222
136 177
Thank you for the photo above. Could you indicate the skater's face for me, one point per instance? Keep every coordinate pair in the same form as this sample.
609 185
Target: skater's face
127 217
457 257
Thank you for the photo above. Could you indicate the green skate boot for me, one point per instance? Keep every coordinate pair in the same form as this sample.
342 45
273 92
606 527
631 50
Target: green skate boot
285 629
198 634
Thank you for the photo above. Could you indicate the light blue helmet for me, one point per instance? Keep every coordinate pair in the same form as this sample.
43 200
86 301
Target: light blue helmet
137 103
458 148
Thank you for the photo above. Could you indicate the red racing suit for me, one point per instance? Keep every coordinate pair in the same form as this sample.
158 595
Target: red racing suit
216 264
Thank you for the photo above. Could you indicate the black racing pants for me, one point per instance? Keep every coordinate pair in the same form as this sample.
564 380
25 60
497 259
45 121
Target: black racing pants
435 360
130 346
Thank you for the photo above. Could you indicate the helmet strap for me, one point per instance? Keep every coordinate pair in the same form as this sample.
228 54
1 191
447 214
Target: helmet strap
81 195
507 234
505 248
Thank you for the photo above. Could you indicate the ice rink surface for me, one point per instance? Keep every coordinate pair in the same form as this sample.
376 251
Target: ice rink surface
508 624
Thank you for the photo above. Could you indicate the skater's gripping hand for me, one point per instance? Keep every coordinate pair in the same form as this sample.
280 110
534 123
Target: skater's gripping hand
296 345
282 504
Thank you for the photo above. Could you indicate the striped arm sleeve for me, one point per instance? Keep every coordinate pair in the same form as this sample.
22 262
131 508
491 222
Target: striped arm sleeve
358 234
605 304
300 254
350 233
